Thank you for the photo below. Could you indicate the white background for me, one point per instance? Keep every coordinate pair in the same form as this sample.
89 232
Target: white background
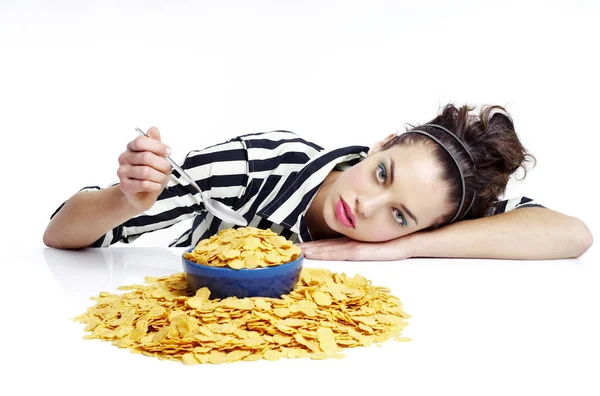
76 78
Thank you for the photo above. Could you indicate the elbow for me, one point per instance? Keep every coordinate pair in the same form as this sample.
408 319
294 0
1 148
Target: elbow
52 240
587 239
49 239
584 238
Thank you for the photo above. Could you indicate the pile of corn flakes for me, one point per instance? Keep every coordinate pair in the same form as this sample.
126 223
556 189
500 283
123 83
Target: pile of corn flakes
325 313
245 247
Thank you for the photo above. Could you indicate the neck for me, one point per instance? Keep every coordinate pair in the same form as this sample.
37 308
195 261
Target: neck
314 215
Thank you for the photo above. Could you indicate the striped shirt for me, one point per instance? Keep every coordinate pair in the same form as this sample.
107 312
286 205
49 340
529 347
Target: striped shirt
270 178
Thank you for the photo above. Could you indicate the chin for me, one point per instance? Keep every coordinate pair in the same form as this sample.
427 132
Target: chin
336 227
343 234
360 239
366 237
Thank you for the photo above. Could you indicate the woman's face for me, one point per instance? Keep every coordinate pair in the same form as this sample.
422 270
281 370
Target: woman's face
390 194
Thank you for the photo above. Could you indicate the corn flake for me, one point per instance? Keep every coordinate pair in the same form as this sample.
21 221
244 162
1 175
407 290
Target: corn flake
164 319
244 247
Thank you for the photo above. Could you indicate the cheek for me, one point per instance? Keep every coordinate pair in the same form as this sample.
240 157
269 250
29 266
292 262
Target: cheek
354 177
380 234
376 230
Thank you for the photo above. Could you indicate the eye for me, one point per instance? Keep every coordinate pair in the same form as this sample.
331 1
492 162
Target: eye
381 173
399 217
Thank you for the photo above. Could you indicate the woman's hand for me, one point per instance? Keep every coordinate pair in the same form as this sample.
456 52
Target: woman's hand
143 170
351 250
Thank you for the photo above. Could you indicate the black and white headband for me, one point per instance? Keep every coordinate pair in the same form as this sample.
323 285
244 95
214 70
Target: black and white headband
462 178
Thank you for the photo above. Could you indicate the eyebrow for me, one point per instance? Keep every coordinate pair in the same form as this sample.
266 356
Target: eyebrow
392 167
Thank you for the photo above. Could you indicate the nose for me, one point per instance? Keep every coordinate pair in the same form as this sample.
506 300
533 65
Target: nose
368 203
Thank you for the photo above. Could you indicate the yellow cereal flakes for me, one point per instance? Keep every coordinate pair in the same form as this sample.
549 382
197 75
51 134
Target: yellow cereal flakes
325 313
244 247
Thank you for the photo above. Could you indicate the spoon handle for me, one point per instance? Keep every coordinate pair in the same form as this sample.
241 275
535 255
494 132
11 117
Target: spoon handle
185 176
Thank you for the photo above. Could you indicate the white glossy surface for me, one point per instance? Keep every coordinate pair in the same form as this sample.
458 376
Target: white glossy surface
479 327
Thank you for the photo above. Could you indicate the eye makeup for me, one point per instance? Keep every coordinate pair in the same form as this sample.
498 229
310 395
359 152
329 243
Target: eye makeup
381 175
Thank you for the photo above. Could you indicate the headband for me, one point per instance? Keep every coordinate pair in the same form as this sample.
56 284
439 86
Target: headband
462 178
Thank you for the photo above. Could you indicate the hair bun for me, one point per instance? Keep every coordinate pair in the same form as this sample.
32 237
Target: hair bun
489 138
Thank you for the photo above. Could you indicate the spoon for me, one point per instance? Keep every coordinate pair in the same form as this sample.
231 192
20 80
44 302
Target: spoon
215 207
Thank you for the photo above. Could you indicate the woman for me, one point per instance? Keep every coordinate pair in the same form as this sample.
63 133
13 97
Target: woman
431 191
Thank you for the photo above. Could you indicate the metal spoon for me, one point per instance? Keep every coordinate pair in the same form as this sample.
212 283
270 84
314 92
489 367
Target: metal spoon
215 207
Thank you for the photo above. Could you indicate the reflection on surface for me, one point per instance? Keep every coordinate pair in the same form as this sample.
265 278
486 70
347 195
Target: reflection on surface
83 273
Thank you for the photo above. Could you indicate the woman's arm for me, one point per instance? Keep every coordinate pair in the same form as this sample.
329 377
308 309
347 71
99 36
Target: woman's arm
87 216
527 233
125 211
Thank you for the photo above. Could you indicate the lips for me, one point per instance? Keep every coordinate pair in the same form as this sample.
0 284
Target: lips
344 214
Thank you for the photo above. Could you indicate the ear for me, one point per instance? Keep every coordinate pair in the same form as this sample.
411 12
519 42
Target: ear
377 146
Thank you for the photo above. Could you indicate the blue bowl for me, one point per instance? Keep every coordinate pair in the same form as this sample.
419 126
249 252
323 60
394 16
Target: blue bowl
257 282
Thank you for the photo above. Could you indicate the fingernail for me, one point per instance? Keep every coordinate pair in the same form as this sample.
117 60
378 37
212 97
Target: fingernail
168 151
307 253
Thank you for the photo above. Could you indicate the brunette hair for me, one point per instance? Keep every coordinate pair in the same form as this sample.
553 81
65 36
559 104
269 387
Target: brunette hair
491 139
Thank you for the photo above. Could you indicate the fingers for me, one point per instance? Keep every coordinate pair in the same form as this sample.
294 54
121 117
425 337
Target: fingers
324 242
333 249
341 253
145 158
359 251
145 143
143 166
143 170
154 133
142 173
133 186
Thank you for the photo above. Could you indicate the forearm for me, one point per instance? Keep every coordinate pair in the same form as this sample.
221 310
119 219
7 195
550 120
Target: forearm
526 233
86 216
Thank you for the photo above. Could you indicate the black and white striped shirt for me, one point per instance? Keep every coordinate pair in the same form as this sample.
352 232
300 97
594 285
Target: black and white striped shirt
270 178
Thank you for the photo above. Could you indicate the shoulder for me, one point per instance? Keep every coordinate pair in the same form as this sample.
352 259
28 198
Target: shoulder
275 139
511 204
277 151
